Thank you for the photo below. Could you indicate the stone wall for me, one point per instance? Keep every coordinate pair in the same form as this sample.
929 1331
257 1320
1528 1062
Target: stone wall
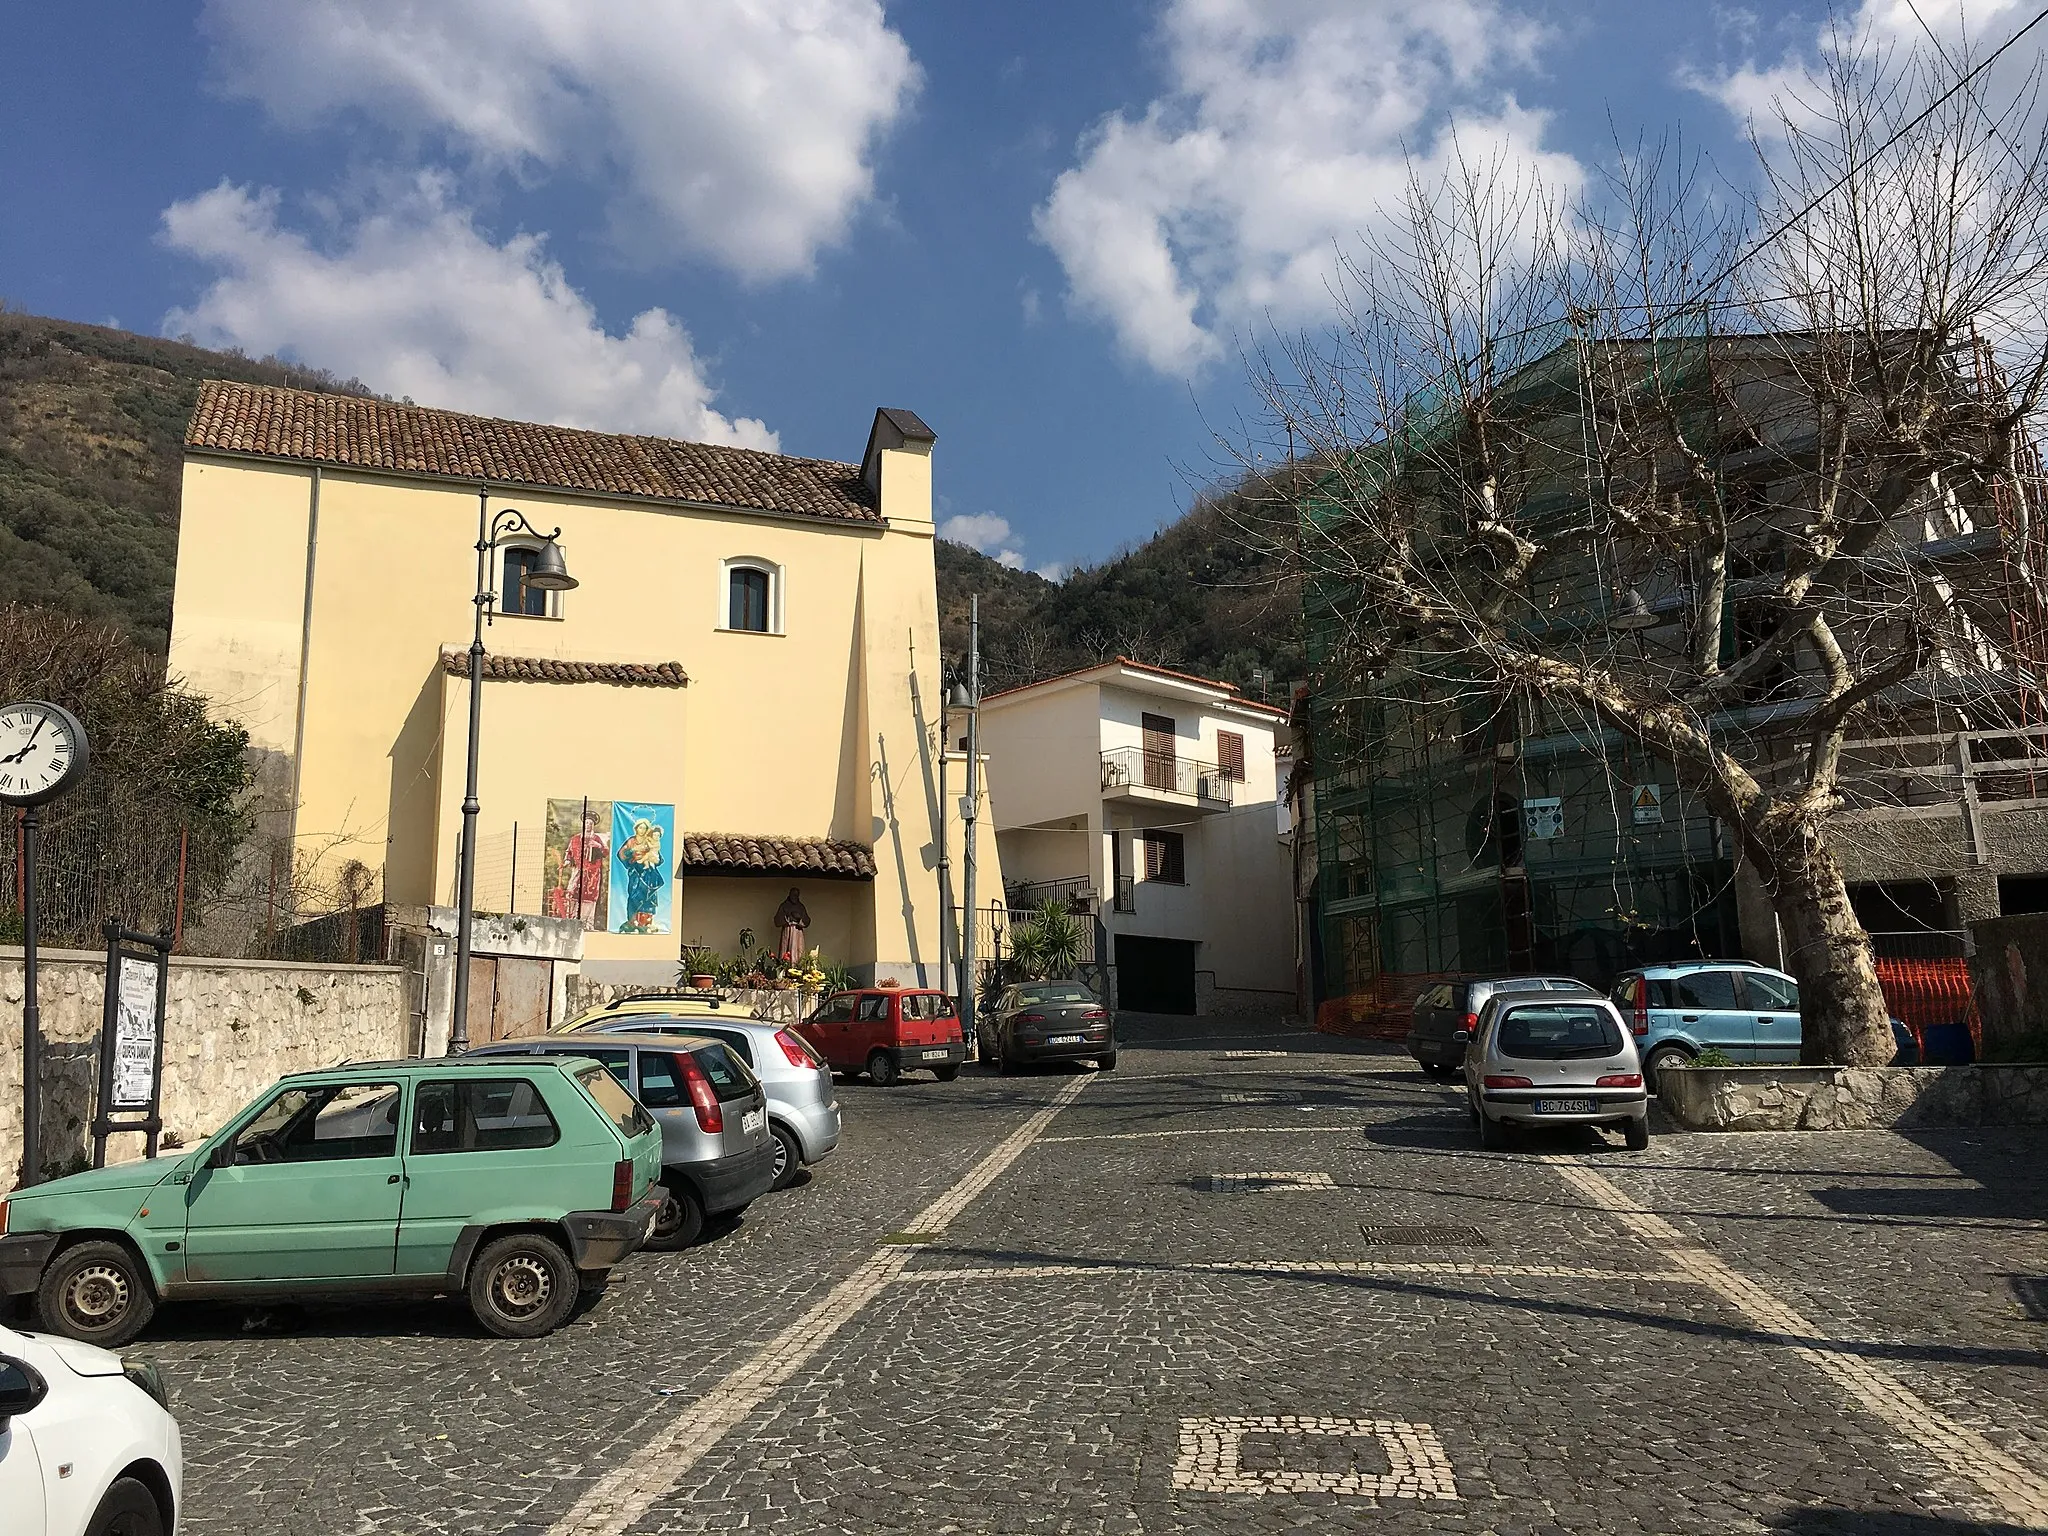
1852 1098
2009 977
231 1028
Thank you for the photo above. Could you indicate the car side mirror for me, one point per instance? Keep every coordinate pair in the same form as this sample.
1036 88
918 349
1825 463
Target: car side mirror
22 1388
1461 1037
222 1156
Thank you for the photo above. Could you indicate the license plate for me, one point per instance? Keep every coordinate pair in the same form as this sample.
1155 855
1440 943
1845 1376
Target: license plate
1064 1040
1564 1106
753 1120
939 1055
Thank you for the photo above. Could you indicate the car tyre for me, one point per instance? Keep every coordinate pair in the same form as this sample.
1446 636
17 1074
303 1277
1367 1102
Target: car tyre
1493 1136
883 1069
789 1157
523 1286
679 1222
1662 1057
1637 1134
945 1074
96 1292
1106 1063
126 1509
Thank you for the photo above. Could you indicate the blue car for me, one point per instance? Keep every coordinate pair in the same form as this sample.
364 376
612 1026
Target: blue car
1746 1011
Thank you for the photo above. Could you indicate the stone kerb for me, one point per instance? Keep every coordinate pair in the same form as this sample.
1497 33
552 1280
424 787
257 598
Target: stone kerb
1853 1098
231 1028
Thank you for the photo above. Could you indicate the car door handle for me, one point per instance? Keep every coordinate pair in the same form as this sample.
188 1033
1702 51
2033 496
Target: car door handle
1688 1018
394 1178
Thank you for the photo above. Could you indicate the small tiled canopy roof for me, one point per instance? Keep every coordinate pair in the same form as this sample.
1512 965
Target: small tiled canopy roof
548 669
267 421
734 853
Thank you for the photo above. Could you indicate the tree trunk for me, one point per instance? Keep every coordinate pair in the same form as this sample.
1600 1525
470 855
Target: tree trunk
1843 1016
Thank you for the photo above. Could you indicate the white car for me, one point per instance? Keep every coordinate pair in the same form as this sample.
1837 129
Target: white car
87 1444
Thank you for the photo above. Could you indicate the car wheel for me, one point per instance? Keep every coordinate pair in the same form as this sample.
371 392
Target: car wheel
1637 1134
1472 1104
127 1509
523 1286
96 1292
679 1222
1664 1056
1106 1063
883 1069
1493 1136
789 1158
945 1074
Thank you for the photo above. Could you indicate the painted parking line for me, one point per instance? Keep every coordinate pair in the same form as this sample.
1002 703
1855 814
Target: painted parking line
1448 1269
2015 1491
619 1498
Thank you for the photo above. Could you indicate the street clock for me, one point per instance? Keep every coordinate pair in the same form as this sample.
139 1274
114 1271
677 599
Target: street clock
43 752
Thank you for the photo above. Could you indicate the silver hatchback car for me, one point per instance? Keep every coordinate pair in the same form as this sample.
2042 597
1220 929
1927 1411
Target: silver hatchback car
717 1156
803 1113
1548 1059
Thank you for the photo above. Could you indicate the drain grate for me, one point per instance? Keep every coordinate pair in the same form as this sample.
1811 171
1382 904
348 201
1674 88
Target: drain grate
1424 1237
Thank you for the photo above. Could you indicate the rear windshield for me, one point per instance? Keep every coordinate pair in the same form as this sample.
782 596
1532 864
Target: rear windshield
922 1007
729 1076
1556 1033
1056 992
619 1106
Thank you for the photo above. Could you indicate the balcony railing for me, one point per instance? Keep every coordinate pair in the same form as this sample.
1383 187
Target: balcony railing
1135 768
1075 891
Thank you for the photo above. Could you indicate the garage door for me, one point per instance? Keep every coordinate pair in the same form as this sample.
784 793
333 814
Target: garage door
1155 975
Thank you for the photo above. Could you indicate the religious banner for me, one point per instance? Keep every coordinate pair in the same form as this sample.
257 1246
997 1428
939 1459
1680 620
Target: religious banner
643 863
577 861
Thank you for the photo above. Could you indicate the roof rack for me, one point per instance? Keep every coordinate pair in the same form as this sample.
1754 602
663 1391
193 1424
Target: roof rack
671 994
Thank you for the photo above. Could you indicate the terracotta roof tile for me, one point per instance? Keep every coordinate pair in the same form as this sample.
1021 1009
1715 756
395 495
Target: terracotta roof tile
276 423
712 853
549 669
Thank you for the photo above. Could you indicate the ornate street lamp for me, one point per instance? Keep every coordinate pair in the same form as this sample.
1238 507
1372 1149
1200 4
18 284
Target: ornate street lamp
549 573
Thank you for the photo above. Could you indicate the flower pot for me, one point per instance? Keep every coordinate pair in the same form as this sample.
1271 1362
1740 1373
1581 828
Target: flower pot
703 983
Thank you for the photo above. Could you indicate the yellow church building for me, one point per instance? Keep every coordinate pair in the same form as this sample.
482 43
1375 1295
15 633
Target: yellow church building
739 695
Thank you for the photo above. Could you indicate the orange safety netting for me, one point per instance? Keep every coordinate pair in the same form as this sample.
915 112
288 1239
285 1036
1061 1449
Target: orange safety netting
1382 1009
1920 993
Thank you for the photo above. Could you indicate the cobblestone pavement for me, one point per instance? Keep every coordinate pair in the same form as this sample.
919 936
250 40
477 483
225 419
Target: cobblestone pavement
1209 1291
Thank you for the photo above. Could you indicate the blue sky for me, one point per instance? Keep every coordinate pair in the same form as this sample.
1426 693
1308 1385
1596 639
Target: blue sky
1048 228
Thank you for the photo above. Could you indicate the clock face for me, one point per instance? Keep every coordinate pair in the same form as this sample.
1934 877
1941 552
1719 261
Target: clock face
42 752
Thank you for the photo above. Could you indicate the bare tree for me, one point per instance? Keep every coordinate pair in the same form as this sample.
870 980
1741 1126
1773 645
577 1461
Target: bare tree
1696 475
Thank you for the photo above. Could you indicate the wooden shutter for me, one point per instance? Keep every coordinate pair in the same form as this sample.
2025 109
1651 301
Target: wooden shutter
1160 768
1165 857
1230 755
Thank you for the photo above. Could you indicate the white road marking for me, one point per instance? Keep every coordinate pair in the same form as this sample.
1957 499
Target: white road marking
619 1498
1249 1055
2017 1492
1211 1459
1266 1183
1447 1269
1237 1130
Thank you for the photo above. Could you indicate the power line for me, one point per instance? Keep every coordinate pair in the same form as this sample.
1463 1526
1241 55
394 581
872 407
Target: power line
1836 185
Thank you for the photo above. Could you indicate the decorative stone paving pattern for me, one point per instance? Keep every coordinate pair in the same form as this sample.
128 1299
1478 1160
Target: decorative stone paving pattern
1277 1096
1235 1130
1266 1183
2016 1491
1248 1055
1211 1459
1445 1268
628 1491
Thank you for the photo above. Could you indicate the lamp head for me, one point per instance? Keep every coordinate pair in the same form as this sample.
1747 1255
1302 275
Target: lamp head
550 572
961 698
1630 612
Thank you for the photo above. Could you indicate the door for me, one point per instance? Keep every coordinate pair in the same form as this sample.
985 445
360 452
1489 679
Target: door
521 1003
311 1191
1710 1013
1161 769
831 1030
1775 1001
21 1471
1155 975
870 1028
477 1143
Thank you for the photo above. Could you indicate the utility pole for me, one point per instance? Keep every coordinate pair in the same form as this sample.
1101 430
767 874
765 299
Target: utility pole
970 806
945 843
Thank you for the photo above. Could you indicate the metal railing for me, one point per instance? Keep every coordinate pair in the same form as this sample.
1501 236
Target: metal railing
1139 768
1077 891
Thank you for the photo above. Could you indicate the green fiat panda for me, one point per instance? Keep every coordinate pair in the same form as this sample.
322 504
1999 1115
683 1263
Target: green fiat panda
515 1181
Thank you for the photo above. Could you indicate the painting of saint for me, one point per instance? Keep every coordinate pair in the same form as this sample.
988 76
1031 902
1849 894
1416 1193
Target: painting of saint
643 857
577 860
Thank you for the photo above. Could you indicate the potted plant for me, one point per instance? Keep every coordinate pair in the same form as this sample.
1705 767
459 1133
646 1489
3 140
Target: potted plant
700 966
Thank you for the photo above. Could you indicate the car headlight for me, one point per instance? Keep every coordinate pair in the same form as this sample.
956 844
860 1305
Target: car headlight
144 1374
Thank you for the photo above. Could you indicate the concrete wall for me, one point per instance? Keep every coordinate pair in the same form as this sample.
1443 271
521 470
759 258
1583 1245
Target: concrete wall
231 1028
2009 977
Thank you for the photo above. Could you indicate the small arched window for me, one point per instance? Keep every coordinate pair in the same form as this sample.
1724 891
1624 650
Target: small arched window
753 597
515 595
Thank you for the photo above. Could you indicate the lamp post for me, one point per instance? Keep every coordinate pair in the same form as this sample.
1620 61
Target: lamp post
549 574
967 697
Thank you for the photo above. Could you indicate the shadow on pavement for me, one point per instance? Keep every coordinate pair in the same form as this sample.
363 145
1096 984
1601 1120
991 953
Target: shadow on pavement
1873 1522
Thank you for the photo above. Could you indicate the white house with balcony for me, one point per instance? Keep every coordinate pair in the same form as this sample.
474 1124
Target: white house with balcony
1151 798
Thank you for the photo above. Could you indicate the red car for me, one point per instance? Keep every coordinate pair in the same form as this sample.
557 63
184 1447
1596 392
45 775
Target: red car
887 1031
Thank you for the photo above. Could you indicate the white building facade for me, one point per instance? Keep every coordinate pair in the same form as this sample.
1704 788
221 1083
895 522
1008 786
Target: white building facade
1154 798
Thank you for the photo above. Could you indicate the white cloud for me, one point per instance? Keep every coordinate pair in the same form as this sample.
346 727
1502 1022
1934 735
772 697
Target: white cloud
987 532
415 300
743 132
1288 123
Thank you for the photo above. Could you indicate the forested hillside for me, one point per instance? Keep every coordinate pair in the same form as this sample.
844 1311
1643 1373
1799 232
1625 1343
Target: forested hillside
91 422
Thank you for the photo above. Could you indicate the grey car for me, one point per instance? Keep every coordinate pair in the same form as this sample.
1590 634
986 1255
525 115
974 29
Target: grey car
1540 1059
717 1154
803 1112
1449 1006
1036 1021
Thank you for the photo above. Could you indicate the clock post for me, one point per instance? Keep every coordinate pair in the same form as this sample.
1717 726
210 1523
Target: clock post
43 754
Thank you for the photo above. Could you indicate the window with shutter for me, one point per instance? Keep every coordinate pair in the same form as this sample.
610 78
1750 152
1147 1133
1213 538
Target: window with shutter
1230 755
1160 767
1165 857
